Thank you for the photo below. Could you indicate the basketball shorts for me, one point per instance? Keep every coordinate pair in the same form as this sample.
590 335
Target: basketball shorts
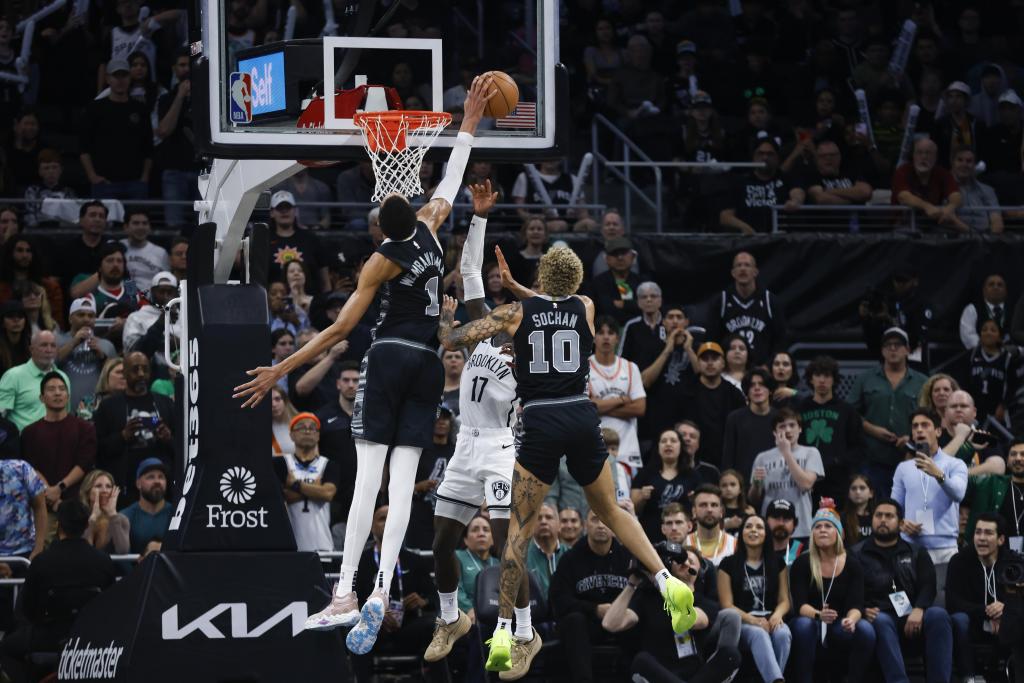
400 386
479 471
562 426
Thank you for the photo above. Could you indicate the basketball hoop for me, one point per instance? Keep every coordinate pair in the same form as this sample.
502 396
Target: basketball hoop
396 142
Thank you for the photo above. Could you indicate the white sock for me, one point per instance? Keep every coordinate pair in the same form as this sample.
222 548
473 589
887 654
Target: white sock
449 606
661 577
404 461
370 458
524 626
503 624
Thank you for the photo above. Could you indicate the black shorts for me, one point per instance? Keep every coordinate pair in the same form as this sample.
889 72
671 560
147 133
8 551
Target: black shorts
400 386
562 426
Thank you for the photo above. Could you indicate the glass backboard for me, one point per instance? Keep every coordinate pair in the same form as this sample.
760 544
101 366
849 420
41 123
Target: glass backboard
284 84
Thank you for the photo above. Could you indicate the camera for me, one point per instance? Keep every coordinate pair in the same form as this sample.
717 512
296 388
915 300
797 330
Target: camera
153 421
915 449
1011 571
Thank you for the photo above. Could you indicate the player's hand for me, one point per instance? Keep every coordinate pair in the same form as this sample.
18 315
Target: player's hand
448 308
483 198
507 281
481 90
425 486
255 389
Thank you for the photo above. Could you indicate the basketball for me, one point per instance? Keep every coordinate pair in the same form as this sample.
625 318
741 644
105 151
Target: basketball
505 101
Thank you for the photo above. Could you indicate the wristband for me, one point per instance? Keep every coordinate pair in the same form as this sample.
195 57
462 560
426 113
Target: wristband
296 486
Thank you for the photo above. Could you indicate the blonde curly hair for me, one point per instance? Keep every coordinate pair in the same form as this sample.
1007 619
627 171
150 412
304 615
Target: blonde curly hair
560 272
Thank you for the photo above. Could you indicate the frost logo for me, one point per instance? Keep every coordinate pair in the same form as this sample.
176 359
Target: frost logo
237 485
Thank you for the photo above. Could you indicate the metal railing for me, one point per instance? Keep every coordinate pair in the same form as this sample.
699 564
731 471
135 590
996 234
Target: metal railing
621 170
877 217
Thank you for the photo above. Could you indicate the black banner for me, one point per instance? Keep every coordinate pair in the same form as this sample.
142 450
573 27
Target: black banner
208 617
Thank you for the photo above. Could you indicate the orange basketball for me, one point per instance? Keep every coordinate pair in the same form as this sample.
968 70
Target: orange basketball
502 104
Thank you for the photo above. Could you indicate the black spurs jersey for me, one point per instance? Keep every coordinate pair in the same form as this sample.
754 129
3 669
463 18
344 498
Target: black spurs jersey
552 346
988 381
410 303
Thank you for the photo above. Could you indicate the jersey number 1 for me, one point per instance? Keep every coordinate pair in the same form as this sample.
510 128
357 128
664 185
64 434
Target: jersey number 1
565 346
434 307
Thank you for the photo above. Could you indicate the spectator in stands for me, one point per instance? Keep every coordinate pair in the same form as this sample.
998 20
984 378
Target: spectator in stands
737 360
355 185
901 303
703 136
310 483
989 373
991 305
48 187
108 529
14 335
281 413
612 226
667 377
781 519
114 294
81 255
928 188
708 536
550 185
453 363
749 310
831 425
82 352
69 571
432 465
179 257
1003 494
111 381
748 429
749 209
617 391
885 398
285 314
22 150
547 549
336 440
134 425
19 386
832 183
636 90
858 506
23 509
570 526
603 58
175 153
614 291
289 241
936 392
957 127
977 621
22 262
647 329
668 658
829 609
10 223
1000 148
984 103
975 194
787 471
143 259
163 288
117 141
675 523
409 619
61 446
37 306
754 580
308 190
978 452
734 501
899 598
663 481
932 510
873 73
150 515
473 559
711 399
583 587
786 379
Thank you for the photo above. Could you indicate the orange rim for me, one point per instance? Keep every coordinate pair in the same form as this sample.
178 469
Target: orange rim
392 121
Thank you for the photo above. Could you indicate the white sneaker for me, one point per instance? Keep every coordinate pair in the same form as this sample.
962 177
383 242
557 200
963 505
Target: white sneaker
341 612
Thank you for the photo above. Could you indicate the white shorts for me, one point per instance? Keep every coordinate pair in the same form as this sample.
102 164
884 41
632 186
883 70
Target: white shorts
479 471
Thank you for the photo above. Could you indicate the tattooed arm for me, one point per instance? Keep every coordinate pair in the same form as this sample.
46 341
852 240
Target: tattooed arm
502 319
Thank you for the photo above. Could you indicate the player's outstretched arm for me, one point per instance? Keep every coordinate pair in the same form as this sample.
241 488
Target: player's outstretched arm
518 291
377 270
472 261
440 205
588 304
502 319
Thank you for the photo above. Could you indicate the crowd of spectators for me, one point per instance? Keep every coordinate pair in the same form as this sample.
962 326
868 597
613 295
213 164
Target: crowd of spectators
815 519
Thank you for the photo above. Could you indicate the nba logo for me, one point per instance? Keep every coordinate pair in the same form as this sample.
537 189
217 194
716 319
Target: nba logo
241 98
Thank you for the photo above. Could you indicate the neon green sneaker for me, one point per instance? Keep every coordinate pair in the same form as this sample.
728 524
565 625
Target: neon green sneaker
500 656
679 605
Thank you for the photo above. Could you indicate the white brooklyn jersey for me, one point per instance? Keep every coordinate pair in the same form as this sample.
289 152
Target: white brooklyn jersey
487 391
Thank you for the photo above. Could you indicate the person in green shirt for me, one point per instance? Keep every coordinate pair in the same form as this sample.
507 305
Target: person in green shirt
19 386
546 549
885 397
472 560
1003 494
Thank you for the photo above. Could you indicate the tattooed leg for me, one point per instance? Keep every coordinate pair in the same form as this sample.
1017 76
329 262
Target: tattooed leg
527 495
601 498
499 532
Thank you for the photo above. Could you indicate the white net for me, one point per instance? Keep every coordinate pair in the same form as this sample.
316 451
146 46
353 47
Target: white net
396 143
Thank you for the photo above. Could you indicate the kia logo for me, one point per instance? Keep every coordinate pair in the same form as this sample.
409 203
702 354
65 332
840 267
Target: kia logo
237 485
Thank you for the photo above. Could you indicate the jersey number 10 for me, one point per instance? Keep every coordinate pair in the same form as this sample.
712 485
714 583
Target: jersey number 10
565 346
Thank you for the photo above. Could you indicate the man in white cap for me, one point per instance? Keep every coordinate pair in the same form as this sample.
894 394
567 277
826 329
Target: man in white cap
163 288
957 127
80 352
291 242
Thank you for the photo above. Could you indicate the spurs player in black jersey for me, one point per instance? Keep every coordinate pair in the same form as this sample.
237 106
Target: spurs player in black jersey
553 336
400 382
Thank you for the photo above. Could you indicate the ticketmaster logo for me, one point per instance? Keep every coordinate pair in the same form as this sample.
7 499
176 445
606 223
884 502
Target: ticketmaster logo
237 485
88 662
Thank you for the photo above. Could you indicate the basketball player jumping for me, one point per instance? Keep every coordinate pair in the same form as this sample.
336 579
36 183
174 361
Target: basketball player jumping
481 468
401 379
552 336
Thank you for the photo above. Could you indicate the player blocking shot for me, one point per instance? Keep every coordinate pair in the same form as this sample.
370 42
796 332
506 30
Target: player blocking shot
553 335
401 379
481 469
